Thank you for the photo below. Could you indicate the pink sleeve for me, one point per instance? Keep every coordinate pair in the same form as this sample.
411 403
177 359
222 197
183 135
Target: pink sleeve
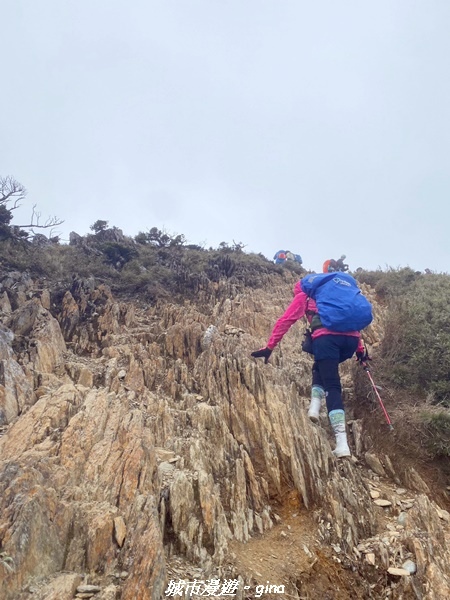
295 311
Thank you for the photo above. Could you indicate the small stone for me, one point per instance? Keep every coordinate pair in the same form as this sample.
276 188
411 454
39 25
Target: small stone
443 514
122 374
124 575
361 547
381 502
163 454
165 468
374 494
370 558
401 519
398 572
400 491
86 589
410 566
120 530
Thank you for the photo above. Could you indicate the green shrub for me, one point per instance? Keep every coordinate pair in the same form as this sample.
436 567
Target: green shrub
117 253
389 283
437 432
416 344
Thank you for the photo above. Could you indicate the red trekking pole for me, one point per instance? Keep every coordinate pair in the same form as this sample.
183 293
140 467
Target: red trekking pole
367 370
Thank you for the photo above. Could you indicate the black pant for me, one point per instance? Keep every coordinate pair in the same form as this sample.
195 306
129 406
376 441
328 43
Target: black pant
329 351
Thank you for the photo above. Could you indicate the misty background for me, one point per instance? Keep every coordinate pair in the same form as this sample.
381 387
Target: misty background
316 127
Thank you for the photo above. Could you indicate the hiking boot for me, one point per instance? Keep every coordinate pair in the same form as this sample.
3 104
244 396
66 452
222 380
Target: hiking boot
337 420
317 395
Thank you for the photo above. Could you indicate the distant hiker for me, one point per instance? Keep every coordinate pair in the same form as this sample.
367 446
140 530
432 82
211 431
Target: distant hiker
333 266
336 311
283 256
294 257
341 266
280 257
326 266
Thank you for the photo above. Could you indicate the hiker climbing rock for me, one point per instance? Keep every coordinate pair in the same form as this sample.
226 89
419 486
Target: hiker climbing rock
294 257
280 257
333 266
283 256
336 311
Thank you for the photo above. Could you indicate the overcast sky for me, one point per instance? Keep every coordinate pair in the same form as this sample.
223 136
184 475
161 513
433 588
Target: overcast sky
320 127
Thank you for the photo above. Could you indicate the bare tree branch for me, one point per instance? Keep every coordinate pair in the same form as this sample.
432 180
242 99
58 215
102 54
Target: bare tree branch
35 218
11 194
51 222
10 190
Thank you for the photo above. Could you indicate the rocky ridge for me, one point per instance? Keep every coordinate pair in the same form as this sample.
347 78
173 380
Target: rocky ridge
142 445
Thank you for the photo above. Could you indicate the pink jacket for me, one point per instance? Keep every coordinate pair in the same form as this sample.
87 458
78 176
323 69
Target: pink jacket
295 311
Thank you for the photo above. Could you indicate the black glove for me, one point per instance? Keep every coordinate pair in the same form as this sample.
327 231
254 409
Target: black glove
362 356
263 353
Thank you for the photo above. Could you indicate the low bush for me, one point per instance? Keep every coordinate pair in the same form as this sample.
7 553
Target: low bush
416 344
436 430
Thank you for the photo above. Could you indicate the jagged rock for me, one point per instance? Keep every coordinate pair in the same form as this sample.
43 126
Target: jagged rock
16 385
61 587
416 482
375 464
357 431
108 593
195 450
444 515
120 530
75 239
5 304
208 336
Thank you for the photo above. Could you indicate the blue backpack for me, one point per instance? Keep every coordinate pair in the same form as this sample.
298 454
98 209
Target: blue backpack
341 305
